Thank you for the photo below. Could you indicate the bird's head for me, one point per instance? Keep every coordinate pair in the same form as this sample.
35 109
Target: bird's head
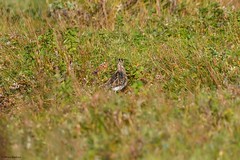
120 65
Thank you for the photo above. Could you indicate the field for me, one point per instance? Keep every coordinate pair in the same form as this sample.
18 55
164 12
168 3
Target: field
182 60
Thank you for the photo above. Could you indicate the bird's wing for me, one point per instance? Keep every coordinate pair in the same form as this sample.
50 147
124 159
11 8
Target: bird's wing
120 80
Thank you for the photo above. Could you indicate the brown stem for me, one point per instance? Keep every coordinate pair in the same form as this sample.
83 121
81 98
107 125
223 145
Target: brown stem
104 10
158 8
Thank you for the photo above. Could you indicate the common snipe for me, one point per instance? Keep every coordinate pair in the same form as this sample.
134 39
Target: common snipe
119 79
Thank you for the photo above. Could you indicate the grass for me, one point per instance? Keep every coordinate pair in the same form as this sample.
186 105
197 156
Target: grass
182 101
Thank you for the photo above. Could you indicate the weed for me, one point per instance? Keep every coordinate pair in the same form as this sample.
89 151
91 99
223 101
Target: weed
181 59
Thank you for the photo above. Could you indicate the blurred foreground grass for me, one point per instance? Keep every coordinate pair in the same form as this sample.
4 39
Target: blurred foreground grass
183 62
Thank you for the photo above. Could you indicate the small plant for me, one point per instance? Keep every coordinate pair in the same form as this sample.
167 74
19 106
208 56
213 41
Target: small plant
213 14
182 94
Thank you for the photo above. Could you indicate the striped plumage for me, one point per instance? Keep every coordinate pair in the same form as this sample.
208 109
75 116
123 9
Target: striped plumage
119 80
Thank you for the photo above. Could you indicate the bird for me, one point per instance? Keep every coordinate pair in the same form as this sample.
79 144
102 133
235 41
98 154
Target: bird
119 79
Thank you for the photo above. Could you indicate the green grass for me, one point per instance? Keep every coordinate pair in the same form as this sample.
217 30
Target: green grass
182 100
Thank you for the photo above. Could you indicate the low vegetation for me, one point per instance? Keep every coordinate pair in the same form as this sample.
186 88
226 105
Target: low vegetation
182 60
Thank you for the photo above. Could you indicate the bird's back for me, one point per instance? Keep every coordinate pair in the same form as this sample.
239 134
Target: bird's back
118 81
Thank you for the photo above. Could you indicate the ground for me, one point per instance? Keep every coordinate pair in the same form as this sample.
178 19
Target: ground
183 96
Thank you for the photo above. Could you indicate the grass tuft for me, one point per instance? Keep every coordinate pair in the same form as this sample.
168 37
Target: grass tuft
182 61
